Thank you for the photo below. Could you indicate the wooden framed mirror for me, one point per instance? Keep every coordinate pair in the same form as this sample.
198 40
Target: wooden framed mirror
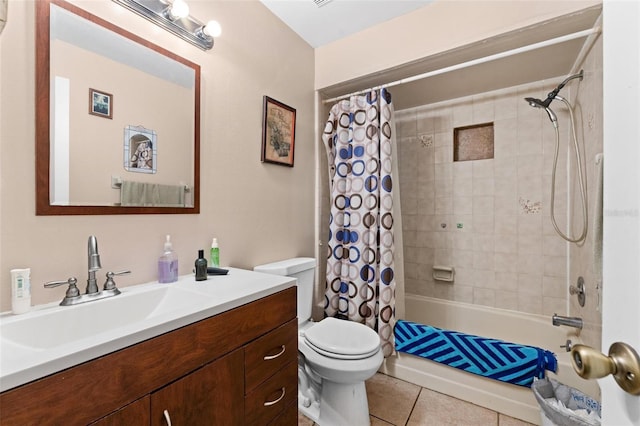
117 119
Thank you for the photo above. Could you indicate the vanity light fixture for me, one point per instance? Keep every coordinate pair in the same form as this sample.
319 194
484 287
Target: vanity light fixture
174 17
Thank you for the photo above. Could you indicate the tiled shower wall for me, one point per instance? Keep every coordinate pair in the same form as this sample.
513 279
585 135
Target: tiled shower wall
588 101
488 219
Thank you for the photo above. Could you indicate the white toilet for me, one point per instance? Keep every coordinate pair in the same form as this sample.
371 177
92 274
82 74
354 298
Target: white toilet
335 357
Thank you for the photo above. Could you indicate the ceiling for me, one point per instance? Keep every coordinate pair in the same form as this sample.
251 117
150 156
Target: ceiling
320 22
340 18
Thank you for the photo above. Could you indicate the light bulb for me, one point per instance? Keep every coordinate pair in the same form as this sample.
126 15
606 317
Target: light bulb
179 9
212 29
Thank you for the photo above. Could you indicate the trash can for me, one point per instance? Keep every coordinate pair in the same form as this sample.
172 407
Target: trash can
562 405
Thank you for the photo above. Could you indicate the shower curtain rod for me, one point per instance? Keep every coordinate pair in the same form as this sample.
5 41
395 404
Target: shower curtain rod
545 43
586 46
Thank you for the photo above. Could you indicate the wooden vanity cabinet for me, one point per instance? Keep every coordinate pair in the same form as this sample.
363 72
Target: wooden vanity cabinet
223 370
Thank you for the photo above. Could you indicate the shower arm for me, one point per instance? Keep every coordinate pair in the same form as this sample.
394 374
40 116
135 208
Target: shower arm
552 95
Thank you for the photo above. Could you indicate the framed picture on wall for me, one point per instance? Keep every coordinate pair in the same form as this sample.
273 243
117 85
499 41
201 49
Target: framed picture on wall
100 103
140 150
278 132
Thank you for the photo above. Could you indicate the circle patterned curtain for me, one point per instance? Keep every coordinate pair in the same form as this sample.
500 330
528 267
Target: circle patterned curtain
360 282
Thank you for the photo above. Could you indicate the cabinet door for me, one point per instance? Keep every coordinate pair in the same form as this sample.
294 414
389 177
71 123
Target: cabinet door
135 414
211 395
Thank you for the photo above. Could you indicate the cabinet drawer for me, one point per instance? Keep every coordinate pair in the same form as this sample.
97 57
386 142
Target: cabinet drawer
270 353
270 398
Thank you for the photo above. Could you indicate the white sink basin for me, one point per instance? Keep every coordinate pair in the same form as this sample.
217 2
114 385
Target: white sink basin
62 325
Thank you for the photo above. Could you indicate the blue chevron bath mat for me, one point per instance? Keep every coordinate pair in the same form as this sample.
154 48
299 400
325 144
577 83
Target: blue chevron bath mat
492 358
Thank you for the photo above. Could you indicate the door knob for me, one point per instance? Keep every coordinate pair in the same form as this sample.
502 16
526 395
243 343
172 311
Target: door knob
623 363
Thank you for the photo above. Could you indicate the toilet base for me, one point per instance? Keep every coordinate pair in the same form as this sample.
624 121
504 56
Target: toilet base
340 405
312 412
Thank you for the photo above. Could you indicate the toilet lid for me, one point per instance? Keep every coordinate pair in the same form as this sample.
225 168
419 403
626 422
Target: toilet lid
342 339
340 356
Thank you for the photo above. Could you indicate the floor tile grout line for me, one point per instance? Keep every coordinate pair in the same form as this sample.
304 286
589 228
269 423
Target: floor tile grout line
413 407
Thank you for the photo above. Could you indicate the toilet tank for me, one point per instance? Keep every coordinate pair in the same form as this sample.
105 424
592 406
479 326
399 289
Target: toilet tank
303 269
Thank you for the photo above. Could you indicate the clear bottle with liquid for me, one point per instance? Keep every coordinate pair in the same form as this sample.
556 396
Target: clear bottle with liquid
214 257
168 264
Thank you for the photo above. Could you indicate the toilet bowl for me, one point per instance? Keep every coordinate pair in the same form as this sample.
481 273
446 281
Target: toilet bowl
335 356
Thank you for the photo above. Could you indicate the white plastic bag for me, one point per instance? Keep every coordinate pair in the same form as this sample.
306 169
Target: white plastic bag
561 405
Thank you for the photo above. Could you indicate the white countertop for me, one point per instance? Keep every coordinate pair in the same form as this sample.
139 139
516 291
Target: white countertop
22 362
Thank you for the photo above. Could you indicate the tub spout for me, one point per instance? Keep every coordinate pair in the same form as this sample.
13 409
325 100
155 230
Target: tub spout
568 321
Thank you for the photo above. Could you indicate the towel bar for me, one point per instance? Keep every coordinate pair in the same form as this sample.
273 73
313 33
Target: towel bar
116 183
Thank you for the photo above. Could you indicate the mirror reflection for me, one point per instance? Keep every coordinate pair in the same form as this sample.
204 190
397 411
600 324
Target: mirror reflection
122 132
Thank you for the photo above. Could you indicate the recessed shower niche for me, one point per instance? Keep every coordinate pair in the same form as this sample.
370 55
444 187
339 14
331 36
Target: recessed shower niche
473 142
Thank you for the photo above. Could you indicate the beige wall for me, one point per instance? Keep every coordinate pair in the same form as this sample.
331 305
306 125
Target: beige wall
441 26
259 212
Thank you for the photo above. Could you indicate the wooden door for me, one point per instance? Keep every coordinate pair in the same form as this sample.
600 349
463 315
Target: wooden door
211 395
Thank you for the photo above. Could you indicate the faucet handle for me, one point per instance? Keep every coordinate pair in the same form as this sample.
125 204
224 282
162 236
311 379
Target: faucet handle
568 345
72 291
110 284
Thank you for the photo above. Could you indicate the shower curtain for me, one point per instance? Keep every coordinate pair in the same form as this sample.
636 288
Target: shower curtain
361 276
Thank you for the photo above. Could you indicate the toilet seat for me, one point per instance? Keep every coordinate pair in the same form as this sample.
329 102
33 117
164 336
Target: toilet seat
339 356
342 339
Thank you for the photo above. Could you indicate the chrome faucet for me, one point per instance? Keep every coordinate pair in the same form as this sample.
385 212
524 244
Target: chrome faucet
558 320
94 264
73 296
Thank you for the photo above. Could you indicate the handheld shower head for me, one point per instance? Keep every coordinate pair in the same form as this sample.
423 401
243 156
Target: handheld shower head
537 103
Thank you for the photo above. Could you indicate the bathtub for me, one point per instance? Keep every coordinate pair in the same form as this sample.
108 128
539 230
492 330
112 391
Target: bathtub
516 327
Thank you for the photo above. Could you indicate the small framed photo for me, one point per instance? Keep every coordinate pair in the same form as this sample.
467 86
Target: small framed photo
278 132
100 103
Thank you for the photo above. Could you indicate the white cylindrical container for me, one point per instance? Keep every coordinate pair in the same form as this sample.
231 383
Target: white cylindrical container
20 290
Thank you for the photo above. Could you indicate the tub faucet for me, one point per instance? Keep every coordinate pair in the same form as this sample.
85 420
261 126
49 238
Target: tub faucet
94 265
568 321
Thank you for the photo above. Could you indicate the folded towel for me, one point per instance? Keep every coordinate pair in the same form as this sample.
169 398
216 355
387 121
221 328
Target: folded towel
492 358
151 194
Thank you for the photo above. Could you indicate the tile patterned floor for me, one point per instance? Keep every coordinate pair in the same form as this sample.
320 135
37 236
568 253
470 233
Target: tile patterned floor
412 405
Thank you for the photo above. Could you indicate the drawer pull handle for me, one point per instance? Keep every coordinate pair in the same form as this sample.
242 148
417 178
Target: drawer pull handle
269 403
167 418
270 357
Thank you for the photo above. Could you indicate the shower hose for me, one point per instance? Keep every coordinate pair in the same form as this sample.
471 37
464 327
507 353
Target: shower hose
583 234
